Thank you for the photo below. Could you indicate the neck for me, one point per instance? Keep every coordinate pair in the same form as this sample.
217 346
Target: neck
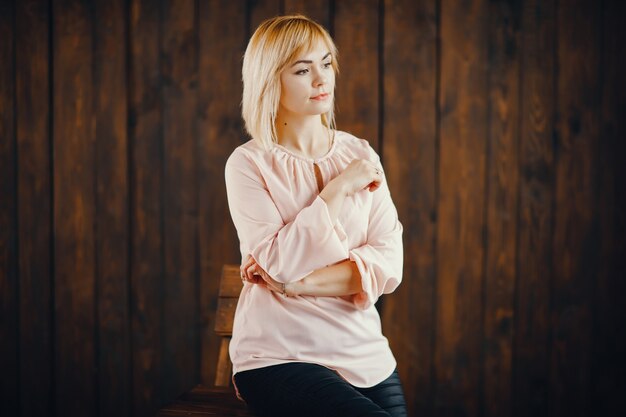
303 134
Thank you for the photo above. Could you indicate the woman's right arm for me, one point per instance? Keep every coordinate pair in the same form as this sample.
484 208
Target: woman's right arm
287 251
334 195
357 175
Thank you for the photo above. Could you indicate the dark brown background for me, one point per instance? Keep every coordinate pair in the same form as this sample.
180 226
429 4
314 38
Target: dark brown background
501 126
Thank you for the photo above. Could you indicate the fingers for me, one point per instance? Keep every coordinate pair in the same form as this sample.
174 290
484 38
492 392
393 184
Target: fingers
247 262
374 171
377 179
253 273
248 269
378 172
371 172
374 185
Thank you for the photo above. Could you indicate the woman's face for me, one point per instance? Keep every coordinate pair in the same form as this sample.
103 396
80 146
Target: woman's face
307 85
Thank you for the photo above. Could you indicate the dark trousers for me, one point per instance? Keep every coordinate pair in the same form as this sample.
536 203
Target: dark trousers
306 389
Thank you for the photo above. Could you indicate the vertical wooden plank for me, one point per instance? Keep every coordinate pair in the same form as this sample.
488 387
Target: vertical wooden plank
220 130
409 141
318 10
609 339
460 227
9 286
357 95
260 10
34 205
112 209
501 205
178 71
146 212
534 254
74 210
575 241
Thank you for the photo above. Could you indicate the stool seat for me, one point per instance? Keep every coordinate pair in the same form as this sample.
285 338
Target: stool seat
205 401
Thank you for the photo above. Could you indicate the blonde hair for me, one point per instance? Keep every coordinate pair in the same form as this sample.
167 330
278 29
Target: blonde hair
276 43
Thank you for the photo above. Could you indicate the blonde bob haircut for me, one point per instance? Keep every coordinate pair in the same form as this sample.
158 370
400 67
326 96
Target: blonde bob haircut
274 45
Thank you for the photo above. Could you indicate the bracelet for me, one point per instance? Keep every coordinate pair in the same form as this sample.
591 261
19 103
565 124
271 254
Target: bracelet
283 291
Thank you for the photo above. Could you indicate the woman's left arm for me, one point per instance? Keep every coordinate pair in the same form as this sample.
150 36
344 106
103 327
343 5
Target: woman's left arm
340 279
380 260
335 280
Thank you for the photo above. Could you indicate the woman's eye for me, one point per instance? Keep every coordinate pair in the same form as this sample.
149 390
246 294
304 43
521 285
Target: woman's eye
327 65
302 71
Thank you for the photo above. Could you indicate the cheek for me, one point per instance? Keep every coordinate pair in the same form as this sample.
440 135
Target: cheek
285 91
294 90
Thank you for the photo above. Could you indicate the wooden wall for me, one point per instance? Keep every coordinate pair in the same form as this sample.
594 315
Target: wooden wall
501 125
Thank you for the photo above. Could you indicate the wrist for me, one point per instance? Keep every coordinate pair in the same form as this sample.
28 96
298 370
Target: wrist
294 288
337 187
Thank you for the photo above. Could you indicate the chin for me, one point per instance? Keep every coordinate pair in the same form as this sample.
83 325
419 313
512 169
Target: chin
325 108
318 113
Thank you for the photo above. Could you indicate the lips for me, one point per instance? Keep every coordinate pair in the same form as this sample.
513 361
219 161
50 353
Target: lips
320 96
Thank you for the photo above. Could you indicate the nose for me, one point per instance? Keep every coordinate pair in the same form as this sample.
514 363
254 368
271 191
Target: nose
320 79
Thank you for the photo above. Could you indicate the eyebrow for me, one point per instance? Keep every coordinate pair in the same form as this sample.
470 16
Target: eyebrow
304 61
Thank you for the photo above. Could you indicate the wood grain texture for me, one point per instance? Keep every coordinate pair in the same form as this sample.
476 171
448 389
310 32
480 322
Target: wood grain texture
501 128
224 371
34 206
220 130
463 106
230 288
501 205
74 210
357 86
409 148
575 238
259 10
318 10
9 284
609 339
178 64
146 206
534 254
112 194
225 315
230 282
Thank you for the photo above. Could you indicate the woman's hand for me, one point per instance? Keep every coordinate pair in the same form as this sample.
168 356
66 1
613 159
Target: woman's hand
358 175
253 273
249 271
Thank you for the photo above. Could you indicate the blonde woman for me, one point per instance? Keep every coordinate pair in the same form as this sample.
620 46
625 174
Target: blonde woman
319 236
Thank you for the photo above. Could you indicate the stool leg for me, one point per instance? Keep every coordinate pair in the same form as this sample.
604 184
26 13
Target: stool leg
224 367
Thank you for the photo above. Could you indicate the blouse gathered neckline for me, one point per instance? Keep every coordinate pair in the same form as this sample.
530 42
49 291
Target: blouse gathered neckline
333 146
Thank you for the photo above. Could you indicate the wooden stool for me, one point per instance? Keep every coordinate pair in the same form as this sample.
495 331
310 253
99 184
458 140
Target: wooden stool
221 400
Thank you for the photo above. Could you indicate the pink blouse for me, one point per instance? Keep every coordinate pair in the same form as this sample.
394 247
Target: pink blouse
282 222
